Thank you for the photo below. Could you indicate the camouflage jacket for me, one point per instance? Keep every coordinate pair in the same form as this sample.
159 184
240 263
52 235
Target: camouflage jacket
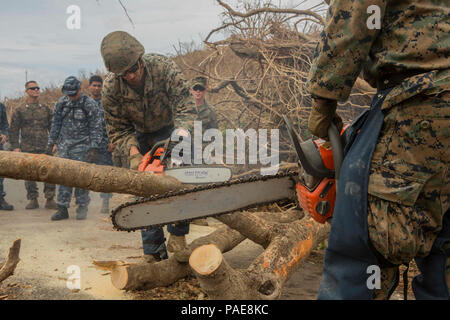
4 126
30 126
206 114
165 102
414 37
76 123
105 140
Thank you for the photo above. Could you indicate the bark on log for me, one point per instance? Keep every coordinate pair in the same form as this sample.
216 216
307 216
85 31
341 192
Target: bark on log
11 262
288 246
148 276
71 173
160 274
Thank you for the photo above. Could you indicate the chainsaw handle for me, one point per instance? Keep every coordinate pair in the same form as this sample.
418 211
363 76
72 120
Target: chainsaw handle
336 146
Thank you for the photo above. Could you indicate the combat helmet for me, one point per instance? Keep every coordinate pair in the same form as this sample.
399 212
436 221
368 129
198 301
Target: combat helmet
120 51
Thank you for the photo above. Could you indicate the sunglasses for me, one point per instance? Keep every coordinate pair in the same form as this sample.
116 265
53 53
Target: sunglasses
34 88
133 69
198 88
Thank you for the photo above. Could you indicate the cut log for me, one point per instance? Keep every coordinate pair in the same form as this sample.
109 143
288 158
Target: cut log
288 246
215 275
71 173
164 273
11 261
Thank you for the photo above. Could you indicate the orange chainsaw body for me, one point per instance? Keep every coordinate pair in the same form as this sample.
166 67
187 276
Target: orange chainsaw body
152 161
319 200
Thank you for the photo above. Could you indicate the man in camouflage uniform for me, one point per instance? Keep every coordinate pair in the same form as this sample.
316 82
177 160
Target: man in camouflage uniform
406 177
204 113
30 126
76 133
144 97
106 148
4 129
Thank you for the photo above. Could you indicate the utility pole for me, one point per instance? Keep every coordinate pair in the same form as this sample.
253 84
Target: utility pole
26 76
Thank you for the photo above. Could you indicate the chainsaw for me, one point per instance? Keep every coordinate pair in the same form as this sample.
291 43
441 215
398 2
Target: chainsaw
156 161
312 185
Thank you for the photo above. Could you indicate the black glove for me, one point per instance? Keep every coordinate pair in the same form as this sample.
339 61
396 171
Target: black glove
92 155
49 150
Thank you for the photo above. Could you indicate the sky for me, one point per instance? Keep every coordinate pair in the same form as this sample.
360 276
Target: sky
36 43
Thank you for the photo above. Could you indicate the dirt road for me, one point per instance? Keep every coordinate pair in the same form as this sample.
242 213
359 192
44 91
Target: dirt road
49 248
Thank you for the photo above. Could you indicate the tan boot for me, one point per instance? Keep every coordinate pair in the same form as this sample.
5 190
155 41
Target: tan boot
51 204
150 258
176 243
33 204
200 222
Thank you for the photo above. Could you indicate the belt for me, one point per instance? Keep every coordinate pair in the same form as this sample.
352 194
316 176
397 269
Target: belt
393 80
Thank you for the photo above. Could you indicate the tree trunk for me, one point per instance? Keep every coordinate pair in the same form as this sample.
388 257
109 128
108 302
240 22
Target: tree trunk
287 245
11 261
71 173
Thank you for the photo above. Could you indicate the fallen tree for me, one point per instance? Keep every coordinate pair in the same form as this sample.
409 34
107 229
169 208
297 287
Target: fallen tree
77 174
287 246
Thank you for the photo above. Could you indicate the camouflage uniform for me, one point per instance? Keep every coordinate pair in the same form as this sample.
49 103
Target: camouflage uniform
30 124
164 105
76 127
142 118
409 183
104 156
206 114
4 129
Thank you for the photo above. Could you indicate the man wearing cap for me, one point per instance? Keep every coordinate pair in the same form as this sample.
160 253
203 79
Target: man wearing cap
205 113
30 126
106 148
76 134
145 97
4 130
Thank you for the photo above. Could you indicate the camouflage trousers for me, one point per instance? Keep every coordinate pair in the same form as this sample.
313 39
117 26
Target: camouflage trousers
409 184
65 193
32 188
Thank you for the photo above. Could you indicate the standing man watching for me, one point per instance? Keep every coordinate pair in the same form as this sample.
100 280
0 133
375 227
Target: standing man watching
145 97
204 113
4 128
393 198
106 148
76 133
30 127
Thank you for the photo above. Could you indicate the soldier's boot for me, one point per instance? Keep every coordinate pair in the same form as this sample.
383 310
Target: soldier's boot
61 214
176 243
150 258
33 204
105 206
81 212
51 204
200 222
5 205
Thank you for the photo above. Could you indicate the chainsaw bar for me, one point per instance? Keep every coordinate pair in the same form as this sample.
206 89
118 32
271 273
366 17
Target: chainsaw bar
203 201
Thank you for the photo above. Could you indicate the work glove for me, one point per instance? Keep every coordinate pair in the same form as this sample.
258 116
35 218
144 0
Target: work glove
49 150
323 113
135 160
92 155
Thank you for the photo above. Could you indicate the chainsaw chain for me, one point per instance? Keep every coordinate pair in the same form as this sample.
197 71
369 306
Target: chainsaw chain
291 172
